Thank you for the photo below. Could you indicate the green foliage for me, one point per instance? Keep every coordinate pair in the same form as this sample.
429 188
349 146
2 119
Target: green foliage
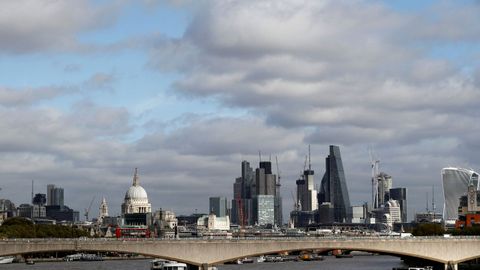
24 228
428 229
17 221
474 230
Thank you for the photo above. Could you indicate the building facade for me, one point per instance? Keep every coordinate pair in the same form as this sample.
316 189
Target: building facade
218 206
400 195
264 210
455 184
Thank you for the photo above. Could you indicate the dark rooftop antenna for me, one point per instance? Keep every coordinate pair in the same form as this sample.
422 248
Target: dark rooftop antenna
309 159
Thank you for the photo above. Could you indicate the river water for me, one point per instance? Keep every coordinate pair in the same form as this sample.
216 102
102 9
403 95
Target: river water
330 263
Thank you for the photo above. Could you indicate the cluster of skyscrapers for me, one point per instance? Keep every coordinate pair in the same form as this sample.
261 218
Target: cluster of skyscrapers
328 205
256 196
46 208
331 203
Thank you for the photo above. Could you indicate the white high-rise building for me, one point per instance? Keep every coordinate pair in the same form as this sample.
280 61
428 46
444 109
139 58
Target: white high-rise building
455 184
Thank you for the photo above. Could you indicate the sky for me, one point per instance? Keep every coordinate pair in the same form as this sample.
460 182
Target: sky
186 90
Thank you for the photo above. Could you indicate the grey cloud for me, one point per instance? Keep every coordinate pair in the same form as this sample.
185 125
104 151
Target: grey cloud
10 97
42 25
101 121
100 80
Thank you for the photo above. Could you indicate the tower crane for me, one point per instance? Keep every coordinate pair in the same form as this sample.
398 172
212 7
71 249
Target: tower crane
278 170
375 170
87 210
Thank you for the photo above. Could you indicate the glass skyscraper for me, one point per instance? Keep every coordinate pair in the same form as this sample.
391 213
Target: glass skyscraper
400 195
333 188
218 206
264 209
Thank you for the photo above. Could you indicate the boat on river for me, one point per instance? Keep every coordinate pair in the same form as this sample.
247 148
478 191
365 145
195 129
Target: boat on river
7 259
162 264
82 257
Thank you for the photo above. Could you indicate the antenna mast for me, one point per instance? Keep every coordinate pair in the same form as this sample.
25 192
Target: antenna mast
260 155
32 191
309 159
426 200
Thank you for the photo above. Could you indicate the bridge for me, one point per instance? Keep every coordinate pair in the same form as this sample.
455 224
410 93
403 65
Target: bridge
204 253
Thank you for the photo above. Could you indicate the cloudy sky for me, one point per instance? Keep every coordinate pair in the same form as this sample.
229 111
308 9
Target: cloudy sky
185 90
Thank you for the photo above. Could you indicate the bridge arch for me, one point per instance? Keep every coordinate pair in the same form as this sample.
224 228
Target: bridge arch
208 252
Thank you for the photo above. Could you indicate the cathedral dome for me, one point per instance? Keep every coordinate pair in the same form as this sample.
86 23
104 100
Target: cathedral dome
136 193
136 199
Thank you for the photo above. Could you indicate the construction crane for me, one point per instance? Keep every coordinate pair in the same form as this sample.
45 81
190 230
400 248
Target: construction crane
87 210
278 171
375 164
296 204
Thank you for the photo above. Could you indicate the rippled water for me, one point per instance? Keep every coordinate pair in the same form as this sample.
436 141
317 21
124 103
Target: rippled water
330 263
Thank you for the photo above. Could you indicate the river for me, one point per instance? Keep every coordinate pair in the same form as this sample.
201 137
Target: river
330 263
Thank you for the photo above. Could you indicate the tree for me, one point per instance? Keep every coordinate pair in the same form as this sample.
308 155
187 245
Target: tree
428 229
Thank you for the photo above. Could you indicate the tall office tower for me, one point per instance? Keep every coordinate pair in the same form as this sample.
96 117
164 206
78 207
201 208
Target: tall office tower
243 191
306 193
266 184
384 185
455 184
58 198
400 195
55 196
218 206
265 181
50 195
264 209
334 186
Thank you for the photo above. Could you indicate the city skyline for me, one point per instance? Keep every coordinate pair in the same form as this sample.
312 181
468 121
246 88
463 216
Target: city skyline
186 90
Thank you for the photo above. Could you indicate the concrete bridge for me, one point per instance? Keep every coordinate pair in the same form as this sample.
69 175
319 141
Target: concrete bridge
203 253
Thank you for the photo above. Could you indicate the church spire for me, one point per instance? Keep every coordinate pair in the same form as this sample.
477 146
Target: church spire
135 178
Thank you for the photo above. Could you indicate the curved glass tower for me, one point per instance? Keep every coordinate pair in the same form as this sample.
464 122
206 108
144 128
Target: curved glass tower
455 184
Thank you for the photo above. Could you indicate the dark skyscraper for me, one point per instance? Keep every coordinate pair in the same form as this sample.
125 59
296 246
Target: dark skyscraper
334 186
400 194
218 206
243 191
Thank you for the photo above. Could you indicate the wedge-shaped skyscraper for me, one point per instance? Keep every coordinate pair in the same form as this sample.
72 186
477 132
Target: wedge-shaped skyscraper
334 186
455 185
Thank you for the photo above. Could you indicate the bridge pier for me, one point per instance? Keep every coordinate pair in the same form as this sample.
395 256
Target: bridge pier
451 266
